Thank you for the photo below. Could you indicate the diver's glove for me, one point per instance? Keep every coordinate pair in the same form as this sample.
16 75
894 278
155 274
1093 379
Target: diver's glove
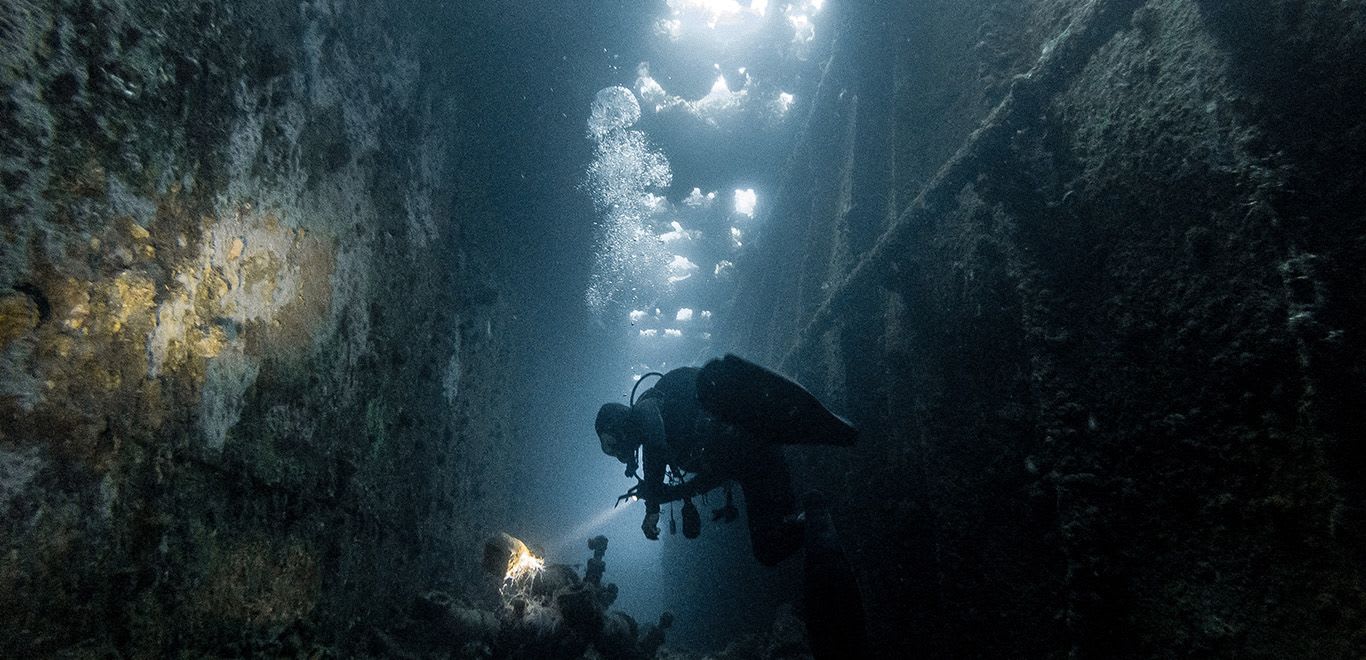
651 526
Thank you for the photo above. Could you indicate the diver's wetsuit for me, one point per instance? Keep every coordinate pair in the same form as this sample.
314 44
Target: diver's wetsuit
675 430
728 421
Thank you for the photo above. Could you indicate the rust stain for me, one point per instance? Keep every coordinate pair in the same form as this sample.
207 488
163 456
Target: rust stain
18 317
260 583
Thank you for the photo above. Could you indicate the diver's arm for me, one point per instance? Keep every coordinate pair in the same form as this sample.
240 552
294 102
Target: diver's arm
699 484
649 425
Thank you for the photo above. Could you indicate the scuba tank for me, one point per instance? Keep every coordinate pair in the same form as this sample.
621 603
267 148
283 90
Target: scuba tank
638 456
637 385
692 520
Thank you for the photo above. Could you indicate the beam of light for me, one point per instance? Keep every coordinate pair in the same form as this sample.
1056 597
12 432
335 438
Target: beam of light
719 103
677 234
670 27
590 528
745 201
720 87
681 268
696 198
713 19
803 31
719 11
652 92
720 97
785 101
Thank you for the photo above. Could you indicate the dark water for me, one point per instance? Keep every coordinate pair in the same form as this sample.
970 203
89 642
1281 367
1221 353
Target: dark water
686 123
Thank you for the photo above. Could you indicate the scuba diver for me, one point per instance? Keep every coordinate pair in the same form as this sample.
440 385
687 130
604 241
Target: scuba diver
697 430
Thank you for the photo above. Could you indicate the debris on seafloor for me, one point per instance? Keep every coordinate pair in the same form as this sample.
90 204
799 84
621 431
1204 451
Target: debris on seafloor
546 611
549 611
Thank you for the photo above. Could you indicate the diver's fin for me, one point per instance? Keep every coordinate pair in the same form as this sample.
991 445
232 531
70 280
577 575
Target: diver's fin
768 405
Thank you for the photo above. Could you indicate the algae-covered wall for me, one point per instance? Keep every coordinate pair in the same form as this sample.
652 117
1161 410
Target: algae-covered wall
1107 344
250 350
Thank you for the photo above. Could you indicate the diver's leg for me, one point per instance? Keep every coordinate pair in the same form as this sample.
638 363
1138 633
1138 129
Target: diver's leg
768 405
775 533
832 604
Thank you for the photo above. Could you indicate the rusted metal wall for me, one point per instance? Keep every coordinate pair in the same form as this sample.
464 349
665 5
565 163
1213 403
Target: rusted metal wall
1103 355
